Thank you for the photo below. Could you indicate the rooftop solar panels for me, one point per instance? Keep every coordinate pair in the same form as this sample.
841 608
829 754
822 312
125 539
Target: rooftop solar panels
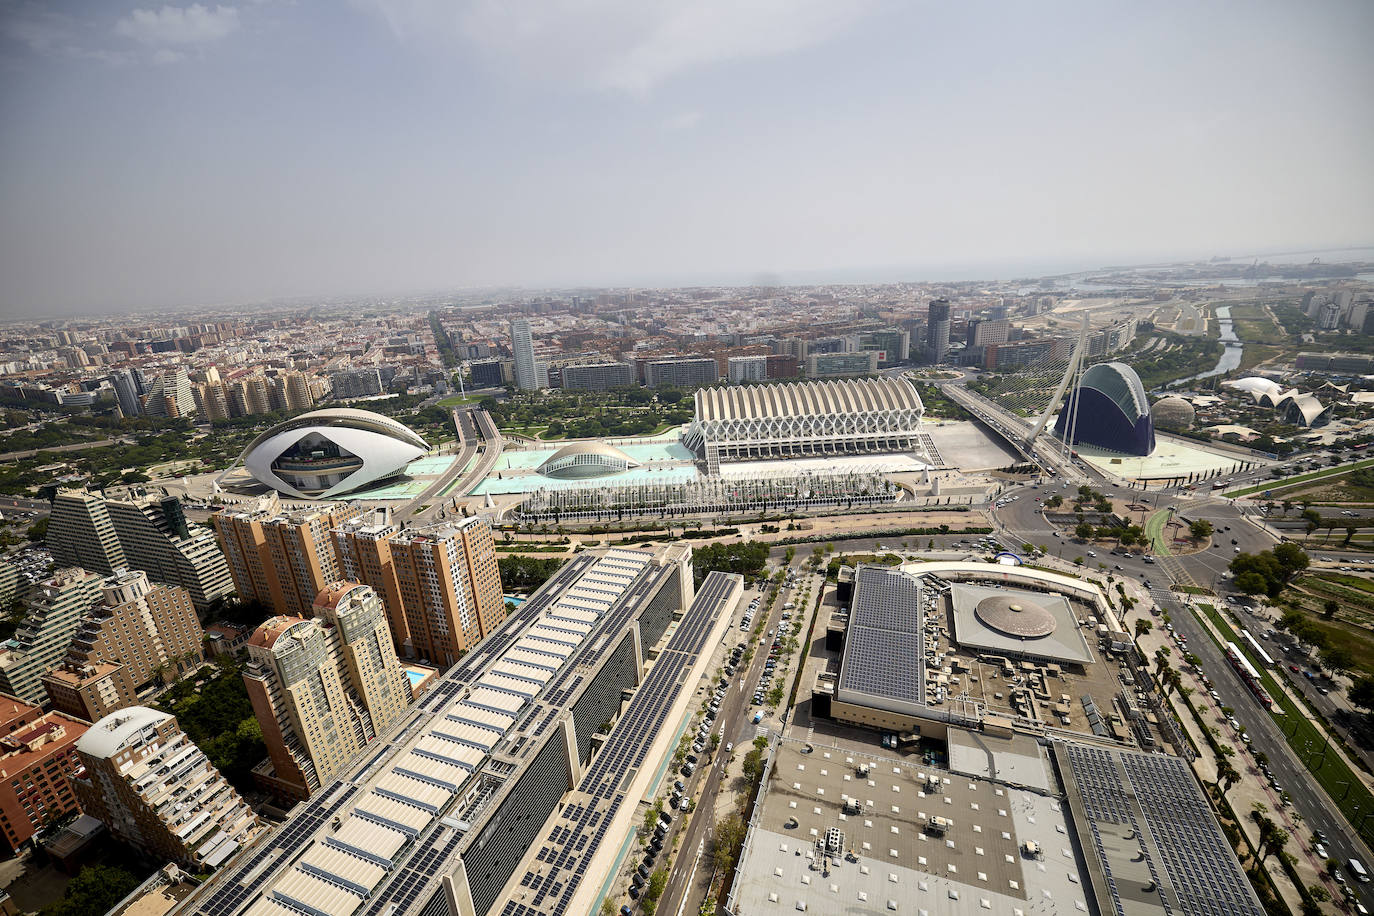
579 830
1153 800
884 655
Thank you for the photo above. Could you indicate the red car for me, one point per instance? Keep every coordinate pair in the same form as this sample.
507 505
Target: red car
1293 668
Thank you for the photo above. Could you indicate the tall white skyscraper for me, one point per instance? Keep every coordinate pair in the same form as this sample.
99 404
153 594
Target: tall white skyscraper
528 376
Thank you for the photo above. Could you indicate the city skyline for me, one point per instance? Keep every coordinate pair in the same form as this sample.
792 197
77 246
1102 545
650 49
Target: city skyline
189 154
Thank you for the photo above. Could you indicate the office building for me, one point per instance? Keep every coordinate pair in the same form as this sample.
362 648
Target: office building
781 365
804 419
363 546
129 390
598 376
450 810
450 587
1018 354
937 331
80 533
892 344
170 396
37 760
747 369
149 533
156 791
530 374
984 331
488 373
55 609
838 364
282 560
139 635
681 372
325 688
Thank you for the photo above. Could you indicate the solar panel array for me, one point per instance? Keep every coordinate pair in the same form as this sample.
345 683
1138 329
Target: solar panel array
1180 832
884 654
578 832
396 840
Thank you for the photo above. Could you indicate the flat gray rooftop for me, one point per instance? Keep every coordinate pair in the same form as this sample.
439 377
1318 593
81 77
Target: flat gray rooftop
1064 644
891 859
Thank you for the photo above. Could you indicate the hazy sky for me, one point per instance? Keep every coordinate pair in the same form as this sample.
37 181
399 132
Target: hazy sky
165 154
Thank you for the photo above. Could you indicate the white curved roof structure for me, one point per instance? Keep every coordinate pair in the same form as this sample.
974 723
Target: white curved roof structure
586 459
118 730
326 453
1302 409
800 419
1261 390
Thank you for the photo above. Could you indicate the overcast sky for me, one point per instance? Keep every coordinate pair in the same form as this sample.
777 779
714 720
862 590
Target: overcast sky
178 154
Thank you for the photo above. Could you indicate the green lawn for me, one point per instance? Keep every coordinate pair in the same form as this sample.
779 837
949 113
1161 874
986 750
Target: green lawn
1302 478
1253 325
1305 738
1154 530
458 400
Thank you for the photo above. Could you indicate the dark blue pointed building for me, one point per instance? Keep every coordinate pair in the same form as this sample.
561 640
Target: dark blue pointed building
1113 411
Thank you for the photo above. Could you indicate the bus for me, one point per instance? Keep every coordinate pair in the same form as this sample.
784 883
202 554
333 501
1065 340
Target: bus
1248 675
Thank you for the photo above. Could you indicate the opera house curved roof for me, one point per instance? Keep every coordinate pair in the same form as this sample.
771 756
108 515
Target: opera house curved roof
326 453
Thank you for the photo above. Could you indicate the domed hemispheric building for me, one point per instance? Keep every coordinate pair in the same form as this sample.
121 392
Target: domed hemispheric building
326 453
1173 412
1109 409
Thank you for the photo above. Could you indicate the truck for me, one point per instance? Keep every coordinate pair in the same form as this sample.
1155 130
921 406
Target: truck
758 717
1357 869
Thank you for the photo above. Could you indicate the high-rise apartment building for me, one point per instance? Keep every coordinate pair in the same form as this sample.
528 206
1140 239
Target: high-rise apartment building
682 372
155 790
37 761
937 331
598 376
170 395
129 390
55 609
281 559
150 533
748 369
363 544
356 383
80 533
450 587
212 401
139 633
440 584
323 689
530 374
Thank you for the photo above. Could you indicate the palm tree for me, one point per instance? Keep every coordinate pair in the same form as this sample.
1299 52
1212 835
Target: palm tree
1227 776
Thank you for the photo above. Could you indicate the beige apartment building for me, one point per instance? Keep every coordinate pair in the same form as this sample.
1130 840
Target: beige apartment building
450 587
139 633
323 688
281 559
158 792
441 584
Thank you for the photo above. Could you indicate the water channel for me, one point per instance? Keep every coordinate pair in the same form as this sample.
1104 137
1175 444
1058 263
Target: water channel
1230 356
